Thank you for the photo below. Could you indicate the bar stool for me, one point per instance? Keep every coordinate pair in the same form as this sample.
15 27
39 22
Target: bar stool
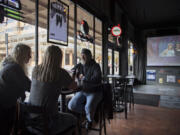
101 120
120 96
101 113
24 125
130 84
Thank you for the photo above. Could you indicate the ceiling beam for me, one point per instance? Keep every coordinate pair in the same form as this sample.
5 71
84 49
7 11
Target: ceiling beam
166 25
124 8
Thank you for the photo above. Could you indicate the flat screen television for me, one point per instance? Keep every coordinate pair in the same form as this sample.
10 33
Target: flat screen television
163 51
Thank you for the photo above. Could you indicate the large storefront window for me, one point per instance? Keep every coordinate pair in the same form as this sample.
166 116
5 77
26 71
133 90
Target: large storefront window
17 32
24 32
116 62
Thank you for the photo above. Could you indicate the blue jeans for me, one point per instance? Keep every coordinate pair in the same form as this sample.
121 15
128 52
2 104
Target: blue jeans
87 101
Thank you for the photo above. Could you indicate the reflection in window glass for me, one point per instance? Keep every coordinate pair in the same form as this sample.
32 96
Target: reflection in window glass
116 62
109 61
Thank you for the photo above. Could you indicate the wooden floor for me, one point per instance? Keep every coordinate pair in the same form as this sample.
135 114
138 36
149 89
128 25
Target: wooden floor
145 120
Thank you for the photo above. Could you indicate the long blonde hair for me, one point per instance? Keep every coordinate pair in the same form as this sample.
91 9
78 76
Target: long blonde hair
20 54
48 71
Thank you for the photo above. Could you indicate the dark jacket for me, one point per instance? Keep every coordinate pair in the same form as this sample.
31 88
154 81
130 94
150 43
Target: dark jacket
107 102
107 97
13 83
92 75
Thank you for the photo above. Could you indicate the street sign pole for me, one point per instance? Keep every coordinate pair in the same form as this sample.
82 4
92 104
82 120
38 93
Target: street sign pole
6 42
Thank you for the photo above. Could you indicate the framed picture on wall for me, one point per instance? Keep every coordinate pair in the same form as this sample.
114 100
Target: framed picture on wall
171 78
151 75
58 22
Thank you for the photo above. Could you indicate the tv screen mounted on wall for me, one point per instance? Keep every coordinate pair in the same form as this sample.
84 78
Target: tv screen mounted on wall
163 51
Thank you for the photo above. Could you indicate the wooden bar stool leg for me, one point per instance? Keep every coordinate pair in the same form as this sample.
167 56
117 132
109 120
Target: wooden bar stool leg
132 96
125 101
100 122
104 123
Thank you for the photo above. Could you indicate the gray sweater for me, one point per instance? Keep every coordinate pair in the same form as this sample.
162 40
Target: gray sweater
46 94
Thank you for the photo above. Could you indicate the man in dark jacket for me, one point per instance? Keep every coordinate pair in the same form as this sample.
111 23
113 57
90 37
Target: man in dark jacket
88 76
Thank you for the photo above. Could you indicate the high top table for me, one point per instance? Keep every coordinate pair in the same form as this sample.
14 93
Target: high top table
114 77
130 77
116 107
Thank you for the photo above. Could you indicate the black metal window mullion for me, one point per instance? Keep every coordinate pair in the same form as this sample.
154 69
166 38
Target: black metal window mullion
75 33
113 61
36 31
94 34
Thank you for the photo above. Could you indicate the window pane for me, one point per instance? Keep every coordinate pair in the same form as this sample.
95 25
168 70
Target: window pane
98 42
18 32
68 51
116 62
67 60
84 15
109 61
130 58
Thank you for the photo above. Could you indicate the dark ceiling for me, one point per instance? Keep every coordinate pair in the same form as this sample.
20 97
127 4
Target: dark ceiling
146 14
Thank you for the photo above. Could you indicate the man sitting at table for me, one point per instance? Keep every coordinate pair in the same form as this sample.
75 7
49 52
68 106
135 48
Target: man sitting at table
88 75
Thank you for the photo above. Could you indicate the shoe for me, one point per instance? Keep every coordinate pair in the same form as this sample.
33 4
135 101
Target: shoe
88 125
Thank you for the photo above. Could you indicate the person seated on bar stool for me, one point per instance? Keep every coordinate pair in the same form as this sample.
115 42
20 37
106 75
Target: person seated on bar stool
48 79
88 74
14 82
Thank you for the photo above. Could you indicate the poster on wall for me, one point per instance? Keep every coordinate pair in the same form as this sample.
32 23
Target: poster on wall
58 18
161 80
171 78
151 75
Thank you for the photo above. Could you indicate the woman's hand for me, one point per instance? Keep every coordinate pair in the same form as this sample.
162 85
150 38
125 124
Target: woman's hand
81 76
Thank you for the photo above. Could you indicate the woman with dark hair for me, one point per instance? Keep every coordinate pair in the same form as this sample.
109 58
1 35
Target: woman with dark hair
13 84
48 79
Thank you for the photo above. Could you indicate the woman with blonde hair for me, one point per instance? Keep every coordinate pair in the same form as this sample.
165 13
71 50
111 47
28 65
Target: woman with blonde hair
48 79
13 83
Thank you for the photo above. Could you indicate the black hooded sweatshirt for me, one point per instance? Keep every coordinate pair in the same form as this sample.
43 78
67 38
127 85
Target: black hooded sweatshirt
13 83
